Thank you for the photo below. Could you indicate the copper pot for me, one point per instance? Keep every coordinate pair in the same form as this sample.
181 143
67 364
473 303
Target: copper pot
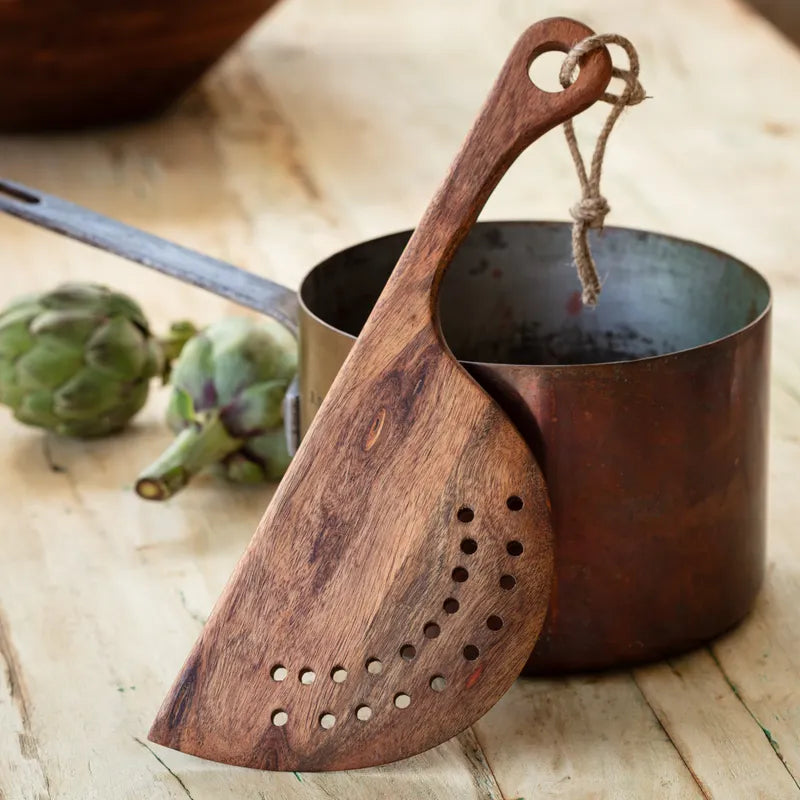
648 414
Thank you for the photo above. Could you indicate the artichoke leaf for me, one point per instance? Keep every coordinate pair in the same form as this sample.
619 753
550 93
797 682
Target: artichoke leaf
87 394
193 372
47 364
36 408
73 325
15 339
77 295
23 313
180 410
10 392
239 468
118 349
270 451
256 409
252 359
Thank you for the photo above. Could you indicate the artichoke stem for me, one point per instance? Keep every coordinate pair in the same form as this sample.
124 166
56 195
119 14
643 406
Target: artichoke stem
194 448
172 344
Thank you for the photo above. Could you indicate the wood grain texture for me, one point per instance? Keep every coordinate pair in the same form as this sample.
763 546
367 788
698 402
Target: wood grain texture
411 490
696 707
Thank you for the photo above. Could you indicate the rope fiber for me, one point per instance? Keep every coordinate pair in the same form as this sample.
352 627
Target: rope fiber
591 210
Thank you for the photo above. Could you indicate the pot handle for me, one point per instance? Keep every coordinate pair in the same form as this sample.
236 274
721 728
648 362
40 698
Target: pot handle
152 251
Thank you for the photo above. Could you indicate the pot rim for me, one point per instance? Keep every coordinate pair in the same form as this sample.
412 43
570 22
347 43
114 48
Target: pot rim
622 363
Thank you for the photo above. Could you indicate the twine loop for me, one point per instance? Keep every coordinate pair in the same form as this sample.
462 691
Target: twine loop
591 210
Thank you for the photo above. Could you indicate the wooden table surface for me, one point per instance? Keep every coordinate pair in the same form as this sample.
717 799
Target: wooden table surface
334 123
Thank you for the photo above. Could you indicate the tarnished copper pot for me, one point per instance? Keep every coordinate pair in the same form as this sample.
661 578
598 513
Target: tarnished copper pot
648 416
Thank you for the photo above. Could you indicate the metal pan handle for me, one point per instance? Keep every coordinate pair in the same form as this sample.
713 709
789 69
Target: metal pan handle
216 276
152 251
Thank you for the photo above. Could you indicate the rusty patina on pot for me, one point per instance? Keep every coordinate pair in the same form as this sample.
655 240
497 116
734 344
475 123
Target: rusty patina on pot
648 416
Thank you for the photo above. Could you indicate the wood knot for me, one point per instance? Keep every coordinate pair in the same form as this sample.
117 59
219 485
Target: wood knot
375 429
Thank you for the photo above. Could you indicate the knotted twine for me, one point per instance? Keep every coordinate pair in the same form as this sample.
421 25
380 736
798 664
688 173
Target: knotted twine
591 210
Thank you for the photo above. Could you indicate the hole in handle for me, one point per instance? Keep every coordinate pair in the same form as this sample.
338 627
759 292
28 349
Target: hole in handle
544 71
18 194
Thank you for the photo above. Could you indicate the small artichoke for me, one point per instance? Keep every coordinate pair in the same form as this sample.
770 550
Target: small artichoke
77 360
228 386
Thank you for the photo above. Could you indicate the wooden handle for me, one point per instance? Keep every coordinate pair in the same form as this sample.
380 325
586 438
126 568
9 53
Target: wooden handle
515 114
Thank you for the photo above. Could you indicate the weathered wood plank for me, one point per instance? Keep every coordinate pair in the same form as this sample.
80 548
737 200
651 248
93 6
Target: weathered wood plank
21 769
720 742
585 737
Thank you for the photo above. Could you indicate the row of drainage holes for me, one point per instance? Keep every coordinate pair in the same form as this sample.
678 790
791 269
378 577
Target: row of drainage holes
466 514
374 666
363 712
338 674
470 546
451 605
307 676
461 574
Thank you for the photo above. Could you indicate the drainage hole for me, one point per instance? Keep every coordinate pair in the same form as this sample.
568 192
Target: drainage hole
514 503
374 666
494 623
407 652
471 652
279 718
327 721
508 582
364 713
514 548
431 630
468 546
465 514
460 574
450 605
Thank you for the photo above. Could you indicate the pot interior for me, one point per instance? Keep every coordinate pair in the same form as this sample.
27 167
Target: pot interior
512 295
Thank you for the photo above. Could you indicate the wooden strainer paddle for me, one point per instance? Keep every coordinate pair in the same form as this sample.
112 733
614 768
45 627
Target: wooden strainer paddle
400 576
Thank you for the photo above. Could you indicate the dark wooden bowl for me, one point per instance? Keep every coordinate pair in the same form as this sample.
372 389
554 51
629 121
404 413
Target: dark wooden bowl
73 63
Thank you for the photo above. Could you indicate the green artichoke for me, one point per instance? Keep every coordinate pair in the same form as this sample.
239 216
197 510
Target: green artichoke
78 360
228 387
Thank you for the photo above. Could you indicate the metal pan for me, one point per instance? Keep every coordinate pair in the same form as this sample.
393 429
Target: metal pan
648 415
